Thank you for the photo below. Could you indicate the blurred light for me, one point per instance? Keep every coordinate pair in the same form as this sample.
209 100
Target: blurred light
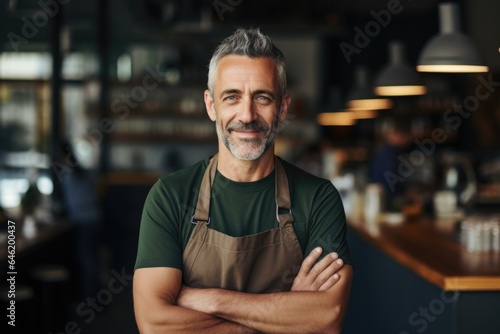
27 159
25 65
124 67
400 90
45 185
365 114
369 104
453 68
85 153
340 118
361 95
5 93
335 113
79 65
11 192
450 50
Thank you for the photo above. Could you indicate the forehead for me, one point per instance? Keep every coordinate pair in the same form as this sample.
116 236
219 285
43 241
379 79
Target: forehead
243 70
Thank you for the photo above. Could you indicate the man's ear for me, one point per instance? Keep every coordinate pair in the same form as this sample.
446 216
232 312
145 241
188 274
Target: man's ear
209 105
285 103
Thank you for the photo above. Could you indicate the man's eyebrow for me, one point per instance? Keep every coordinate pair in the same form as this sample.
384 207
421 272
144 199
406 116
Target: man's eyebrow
264 91
230 91
257 92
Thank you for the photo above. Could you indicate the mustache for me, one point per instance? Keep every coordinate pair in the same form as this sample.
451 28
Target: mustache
252 126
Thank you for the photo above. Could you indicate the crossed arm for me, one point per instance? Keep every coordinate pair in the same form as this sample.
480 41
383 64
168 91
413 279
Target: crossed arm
316 302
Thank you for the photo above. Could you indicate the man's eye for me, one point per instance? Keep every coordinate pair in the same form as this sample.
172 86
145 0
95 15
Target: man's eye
230 98
263 98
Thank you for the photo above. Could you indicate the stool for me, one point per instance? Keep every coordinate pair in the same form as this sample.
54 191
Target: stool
52 288
24 308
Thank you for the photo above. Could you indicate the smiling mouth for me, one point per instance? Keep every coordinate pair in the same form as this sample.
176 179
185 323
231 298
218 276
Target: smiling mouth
247 133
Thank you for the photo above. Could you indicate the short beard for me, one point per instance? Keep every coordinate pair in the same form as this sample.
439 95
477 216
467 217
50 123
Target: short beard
253 154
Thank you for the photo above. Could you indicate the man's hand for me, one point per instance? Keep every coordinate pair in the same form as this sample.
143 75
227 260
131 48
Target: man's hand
320 276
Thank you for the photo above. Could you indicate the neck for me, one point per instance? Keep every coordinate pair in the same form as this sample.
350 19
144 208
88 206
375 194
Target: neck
245 171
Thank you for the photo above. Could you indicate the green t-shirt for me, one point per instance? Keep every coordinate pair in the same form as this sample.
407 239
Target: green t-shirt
238 209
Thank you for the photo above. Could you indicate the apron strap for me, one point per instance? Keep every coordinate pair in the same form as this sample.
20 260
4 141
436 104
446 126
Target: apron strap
203 204
283 202
282 194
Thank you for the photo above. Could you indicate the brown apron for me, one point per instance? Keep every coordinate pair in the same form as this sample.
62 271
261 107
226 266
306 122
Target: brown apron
258 263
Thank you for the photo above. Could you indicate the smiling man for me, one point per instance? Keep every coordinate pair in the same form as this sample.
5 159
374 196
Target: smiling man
232 243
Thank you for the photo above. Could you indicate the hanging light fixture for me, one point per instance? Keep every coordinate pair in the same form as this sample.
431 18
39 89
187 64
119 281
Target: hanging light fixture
337 118
336 114
362 98
364 114
450 51
398 78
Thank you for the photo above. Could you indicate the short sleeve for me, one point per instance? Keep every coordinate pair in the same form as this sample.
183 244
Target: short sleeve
328 223
159 237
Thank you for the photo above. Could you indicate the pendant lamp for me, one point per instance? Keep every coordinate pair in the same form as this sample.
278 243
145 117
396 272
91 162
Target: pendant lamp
361 97
450 51
398 78
338 118
335 114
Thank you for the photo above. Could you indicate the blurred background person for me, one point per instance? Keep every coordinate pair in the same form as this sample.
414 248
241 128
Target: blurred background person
397 140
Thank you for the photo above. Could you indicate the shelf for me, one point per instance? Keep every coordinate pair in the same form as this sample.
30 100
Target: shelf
45 81
168 113
148 137
153 127
139 81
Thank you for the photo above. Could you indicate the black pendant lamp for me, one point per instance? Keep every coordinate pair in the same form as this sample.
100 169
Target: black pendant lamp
450 51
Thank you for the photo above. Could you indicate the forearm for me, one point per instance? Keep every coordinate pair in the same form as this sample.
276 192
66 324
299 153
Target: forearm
297 311
157 310
176 319
285 312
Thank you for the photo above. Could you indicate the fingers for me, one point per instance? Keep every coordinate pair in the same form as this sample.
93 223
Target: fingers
309 261
318 276
320 267
323 274
329 276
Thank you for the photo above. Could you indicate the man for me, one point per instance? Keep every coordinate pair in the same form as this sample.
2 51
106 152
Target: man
221 242
385 162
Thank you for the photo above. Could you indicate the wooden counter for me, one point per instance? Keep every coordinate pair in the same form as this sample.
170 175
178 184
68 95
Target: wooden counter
428 247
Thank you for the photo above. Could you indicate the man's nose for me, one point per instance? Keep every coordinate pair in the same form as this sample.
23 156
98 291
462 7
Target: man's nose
248 112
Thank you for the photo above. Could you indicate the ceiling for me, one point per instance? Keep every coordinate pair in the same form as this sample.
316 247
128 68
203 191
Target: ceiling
158 20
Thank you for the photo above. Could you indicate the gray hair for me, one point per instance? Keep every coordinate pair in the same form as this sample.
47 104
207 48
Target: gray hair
251 43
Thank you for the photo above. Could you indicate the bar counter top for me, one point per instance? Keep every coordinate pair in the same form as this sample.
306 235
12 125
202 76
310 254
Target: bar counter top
429 248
